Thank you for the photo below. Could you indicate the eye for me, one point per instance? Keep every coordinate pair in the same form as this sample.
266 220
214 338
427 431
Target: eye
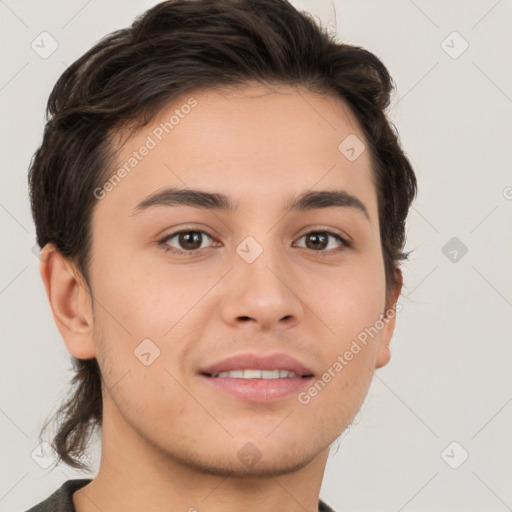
318 241
188 241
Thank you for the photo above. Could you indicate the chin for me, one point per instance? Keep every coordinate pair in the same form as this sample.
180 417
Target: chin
236 467
248 456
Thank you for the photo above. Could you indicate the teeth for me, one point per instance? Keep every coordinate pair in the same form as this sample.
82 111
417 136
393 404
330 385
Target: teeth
253 374
256 374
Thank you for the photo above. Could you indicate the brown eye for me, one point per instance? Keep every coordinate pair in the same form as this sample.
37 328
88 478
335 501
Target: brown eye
319 241
190 240
187 241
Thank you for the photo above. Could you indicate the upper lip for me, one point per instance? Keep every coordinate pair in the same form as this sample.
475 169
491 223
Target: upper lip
258 362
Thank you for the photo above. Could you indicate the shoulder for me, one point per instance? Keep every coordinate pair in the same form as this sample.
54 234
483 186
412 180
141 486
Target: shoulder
323 507
62 499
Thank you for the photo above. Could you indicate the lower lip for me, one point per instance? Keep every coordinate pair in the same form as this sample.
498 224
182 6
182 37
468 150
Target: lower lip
260 390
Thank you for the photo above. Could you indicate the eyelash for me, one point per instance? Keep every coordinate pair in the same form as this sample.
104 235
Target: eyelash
166 248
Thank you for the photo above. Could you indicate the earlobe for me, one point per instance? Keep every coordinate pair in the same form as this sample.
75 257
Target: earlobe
70 301
389 322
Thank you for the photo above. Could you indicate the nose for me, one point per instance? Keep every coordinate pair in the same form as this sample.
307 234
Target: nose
263 292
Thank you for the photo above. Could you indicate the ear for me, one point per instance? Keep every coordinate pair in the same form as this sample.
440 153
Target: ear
389 321
70 301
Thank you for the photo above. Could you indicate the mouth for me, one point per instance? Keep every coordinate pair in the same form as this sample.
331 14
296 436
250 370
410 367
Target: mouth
257 374
255 378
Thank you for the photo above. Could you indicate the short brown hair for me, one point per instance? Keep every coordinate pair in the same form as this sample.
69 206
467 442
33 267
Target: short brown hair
177 47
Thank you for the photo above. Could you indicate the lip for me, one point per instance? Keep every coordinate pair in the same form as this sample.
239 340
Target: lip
258 362
258 390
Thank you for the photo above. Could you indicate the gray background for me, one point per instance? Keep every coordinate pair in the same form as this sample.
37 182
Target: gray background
449 378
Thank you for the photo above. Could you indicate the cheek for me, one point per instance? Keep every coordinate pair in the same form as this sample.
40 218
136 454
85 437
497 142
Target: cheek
349 300
350 305
144 323
136 301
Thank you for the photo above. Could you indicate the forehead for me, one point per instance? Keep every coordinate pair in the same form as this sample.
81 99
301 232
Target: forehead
251 142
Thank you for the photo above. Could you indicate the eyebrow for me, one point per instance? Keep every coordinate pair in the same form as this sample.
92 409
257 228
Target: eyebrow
313 200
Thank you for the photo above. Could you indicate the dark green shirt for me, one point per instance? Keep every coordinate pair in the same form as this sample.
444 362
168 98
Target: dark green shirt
62 499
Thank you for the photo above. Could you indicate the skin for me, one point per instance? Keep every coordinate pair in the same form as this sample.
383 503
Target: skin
168 438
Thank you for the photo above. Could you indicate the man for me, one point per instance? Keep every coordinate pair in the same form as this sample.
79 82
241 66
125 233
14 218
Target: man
221 203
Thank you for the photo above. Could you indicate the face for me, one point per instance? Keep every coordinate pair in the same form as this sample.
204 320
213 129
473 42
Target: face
189 293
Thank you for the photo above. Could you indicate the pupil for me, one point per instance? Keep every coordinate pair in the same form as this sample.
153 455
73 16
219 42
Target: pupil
190 240
316 237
